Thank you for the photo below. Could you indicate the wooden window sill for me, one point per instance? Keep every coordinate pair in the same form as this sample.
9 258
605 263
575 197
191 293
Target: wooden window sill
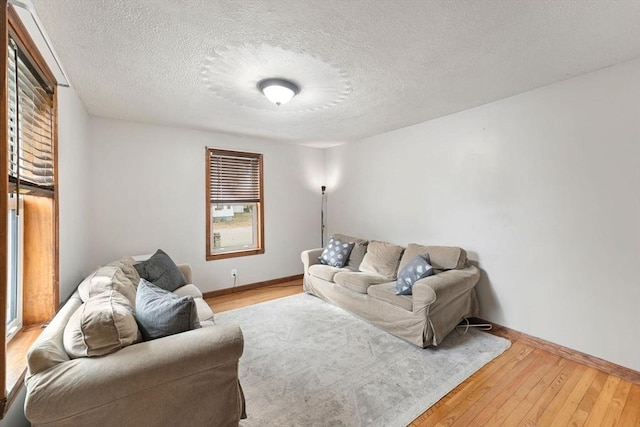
17 359
234 254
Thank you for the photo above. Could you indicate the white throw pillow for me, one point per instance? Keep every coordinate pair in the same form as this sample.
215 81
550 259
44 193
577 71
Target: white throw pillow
104 279
103 324
126 264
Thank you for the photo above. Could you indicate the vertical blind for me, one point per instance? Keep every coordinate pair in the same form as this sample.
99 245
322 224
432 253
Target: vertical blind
30 147
234 177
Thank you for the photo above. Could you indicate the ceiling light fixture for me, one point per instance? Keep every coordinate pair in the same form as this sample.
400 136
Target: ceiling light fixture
278 91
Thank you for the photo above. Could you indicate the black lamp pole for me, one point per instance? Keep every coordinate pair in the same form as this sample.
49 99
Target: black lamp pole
323 188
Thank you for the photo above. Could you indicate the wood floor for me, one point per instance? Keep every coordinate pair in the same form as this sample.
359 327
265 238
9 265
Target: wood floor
525 386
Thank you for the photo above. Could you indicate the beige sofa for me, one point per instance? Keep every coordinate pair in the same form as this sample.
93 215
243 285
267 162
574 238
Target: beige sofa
190 378
438 302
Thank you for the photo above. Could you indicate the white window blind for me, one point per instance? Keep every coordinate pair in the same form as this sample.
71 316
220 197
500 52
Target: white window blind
234 178
30 148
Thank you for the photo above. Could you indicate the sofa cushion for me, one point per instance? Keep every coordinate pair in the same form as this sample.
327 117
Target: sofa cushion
188 291
387 292
103 324
126 264
441 257
104 279
415 269
161 313
336 253
382 259
325 272
358 281
204 311
358 251
161 271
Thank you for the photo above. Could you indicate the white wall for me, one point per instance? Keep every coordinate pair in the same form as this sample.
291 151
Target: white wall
74 190
542 189
148 193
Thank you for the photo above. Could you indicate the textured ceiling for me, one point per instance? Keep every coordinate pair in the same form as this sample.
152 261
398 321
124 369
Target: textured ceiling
364 66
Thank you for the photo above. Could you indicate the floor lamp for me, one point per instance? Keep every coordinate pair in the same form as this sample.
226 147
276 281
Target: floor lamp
322 203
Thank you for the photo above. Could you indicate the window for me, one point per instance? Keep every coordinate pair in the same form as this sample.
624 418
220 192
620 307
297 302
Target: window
30 155
234 204
14 264
29 202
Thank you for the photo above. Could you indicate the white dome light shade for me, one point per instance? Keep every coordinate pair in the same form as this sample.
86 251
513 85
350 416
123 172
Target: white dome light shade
278 94
278 91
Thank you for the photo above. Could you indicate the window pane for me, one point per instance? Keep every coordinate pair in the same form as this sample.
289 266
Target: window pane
12 272
233 226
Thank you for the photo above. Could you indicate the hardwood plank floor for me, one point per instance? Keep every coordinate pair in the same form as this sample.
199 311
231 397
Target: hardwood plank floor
525 386
253 296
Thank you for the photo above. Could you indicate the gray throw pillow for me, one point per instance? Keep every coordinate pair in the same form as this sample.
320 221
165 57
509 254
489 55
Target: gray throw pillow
160 313
336 254
161 271
418 268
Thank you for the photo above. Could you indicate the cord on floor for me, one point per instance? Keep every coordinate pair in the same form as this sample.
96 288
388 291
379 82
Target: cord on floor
467 325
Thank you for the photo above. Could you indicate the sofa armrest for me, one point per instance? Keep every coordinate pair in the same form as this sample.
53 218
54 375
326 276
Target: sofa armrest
443 287
85 384
310 257
185 269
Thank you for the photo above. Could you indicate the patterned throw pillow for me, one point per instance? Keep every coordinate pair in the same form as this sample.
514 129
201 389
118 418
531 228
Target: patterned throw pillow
336 254
418 268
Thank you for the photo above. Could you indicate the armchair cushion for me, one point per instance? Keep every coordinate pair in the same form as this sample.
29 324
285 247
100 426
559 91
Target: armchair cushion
161 313
161 271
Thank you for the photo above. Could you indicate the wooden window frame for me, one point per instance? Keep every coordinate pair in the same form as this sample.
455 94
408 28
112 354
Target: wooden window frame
12 356
260 231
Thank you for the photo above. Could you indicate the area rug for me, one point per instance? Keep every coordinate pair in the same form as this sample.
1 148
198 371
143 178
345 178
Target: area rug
309 363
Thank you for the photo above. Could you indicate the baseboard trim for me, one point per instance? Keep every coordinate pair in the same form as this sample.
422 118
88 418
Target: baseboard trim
607 367
251 286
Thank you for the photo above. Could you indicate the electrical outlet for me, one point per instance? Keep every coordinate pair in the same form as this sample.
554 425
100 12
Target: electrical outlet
234 273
